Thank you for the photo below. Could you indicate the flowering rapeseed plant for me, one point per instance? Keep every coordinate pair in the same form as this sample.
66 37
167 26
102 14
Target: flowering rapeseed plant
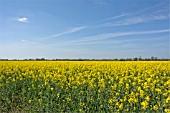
89 86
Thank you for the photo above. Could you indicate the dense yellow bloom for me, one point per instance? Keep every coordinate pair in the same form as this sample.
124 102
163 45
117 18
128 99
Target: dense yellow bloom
147 98
121 106
167 100
167 110
155 107
142 93
144 104
110 101
130 100
105 85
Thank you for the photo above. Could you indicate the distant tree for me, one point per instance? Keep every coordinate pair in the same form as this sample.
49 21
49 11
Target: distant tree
122 59
140 58
152 57
135 59
42 59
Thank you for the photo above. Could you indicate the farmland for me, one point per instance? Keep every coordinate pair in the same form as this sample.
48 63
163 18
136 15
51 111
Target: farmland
84 86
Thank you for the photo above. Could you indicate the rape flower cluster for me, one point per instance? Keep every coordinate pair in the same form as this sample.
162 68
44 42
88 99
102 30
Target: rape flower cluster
84 86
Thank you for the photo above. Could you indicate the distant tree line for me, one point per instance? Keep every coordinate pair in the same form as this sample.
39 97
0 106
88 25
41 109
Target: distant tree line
80 59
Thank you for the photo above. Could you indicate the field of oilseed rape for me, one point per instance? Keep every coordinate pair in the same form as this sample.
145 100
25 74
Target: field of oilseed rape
85 86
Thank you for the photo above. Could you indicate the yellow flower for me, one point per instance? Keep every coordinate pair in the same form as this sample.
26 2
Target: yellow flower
58 95
130 100
167 100
134 108
144 104
135 100
139 88
86 77
110 101
29 101
81 104
125 98
121 106
167 110
68 99
142 93
117 103
127 86
147 98
40 93
121 100
158 90
117 94
52 89
155 107
80 110
114 87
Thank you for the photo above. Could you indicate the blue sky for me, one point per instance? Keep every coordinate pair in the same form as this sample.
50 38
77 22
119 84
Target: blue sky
84 28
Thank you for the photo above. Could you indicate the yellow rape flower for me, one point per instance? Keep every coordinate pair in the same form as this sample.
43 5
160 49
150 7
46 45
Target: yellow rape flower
29 101
52 89
144 104
147 98
155 107
167 110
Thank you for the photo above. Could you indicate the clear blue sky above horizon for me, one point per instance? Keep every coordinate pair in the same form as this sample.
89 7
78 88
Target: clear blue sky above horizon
84 29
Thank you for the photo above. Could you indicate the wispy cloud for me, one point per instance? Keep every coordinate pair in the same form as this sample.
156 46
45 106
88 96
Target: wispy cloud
42 39
139 19
23 40
115 17
158 12
105 22
23 19
72 30
100 38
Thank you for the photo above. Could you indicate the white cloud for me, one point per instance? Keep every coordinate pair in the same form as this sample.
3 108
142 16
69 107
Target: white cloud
115 17
139 19
158 12
104 37
72 30
23 19
44 39
23 40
